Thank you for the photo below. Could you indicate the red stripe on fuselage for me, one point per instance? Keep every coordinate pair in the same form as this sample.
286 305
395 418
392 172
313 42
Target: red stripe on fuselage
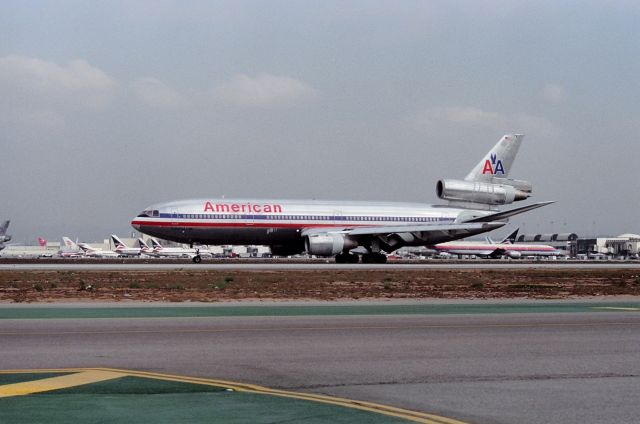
248 224
493 247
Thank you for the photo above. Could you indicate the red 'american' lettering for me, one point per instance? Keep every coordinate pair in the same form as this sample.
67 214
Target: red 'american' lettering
242 207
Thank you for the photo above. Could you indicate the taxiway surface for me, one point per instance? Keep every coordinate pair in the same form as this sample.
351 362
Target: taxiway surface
579 367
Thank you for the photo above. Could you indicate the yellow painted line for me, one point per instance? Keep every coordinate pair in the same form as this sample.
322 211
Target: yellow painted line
323 329
616 308
109 373
57 383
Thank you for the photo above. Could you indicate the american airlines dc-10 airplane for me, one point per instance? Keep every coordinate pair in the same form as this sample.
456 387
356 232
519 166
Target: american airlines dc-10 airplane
335 228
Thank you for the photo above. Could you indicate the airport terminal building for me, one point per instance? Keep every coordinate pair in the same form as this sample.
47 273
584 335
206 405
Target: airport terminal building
622 246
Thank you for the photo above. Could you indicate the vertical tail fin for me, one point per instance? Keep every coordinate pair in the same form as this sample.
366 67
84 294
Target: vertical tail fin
70 244
511 238
117 242
144 247
498 162
155 243
4 227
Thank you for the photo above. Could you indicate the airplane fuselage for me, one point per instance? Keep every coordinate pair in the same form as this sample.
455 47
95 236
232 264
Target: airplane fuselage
282 222
497 249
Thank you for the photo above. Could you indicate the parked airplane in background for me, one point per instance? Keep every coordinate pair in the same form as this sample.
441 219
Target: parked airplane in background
96 252
493 250
178 252
4 237
511 238
335 228
70 249
122 249
144 247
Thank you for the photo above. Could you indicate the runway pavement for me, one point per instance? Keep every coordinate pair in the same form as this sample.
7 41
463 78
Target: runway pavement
478 367
267 266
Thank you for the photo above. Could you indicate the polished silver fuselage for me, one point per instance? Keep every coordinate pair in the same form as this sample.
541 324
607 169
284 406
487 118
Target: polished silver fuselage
281 222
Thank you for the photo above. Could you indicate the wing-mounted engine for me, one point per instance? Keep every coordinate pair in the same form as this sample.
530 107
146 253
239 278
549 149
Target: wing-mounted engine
497 191
513 254
328 244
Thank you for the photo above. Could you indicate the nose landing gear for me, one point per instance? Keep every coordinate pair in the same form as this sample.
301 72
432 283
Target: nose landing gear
197 258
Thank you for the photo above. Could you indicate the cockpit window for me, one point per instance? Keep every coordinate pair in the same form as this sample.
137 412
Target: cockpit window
149 213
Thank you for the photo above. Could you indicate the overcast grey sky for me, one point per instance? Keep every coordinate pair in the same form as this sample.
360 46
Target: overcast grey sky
107 107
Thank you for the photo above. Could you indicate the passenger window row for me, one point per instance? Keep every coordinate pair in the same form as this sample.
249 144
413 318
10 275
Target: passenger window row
301 217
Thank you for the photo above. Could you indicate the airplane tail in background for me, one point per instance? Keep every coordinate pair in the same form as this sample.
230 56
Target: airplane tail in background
4 227
511 238
498 162
117 242
155 243
70 244
42 242
144 247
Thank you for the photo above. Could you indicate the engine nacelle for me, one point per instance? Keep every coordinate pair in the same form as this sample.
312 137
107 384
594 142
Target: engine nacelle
479 192
520 185
513 254
328 244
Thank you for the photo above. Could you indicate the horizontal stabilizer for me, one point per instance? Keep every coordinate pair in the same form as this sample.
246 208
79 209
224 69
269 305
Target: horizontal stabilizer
499 216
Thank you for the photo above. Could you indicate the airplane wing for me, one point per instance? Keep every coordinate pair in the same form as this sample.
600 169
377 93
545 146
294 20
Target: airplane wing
497 253
392 237
426 234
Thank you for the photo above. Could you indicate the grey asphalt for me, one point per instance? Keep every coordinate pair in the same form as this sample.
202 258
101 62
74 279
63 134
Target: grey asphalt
485 368
124 266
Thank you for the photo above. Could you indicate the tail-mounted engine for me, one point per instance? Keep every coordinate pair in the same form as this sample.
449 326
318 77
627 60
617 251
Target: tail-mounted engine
499 191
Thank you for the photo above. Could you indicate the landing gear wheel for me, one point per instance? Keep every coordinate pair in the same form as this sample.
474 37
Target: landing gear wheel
374 258
196 259
346 258
380 258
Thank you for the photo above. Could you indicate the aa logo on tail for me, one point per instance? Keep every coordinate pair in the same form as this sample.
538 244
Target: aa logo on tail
493 166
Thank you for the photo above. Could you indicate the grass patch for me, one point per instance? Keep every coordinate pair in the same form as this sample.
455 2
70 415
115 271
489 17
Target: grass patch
531 287
221 285
176 287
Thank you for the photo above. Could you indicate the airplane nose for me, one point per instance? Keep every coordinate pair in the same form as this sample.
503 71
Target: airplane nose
135 225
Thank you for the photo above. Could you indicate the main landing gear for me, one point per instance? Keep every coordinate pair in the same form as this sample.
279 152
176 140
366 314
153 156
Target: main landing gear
367 258
346 258
374 258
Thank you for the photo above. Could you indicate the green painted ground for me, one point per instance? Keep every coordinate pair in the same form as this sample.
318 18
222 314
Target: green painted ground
227 311
19 378
142 400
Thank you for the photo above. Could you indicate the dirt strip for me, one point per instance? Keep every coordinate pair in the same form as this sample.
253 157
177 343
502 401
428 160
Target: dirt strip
224 285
